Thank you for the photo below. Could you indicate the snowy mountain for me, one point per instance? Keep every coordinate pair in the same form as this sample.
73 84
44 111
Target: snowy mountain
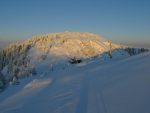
20 59
42 54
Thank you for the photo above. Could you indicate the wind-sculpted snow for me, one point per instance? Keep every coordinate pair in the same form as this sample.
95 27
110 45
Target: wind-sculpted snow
118 86
37 84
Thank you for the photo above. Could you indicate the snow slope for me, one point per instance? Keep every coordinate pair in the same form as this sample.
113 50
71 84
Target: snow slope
115 87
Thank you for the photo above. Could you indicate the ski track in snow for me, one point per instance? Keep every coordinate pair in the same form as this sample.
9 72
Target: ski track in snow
117 87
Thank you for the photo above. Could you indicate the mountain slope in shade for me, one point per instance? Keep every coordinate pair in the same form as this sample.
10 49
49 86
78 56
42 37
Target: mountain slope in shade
116 87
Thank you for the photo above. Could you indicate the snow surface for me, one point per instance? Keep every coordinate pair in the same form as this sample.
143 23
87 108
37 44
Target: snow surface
90 87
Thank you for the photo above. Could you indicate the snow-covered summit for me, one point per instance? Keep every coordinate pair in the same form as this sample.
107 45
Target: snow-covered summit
21 58
70 44
54 46
42 53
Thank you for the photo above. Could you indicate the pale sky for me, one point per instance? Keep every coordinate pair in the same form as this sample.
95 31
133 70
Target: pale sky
122 21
